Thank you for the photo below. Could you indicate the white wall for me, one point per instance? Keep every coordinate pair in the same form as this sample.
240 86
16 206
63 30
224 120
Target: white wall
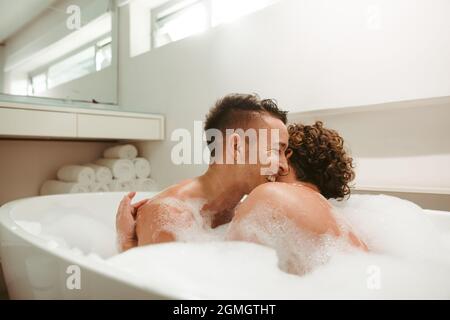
2 51
307 54
402 146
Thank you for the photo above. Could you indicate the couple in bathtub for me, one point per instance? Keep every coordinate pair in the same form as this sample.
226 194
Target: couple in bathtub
308 165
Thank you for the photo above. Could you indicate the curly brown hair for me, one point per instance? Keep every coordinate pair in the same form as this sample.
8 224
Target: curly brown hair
318 157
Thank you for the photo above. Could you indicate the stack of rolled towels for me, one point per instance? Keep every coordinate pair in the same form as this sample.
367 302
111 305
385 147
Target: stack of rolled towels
120 169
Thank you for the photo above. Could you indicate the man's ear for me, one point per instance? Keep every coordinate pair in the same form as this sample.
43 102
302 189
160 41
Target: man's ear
233 147
289 153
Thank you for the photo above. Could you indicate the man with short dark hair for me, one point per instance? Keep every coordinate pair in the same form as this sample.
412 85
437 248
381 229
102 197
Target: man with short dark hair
234 127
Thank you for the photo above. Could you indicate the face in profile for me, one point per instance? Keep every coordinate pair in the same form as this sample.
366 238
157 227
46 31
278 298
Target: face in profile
272 142
288 176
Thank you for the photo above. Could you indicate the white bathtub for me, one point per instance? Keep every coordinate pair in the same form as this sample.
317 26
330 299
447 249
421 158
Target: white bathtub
36 267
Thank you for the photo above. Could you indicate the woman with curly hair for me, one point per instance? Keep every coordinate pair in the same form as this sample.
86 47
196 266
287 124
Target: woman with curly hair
293 215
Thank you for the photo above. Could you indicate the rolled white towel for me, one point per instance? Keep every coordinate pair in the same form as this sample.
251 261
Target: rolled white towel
125 151
146 184
132 186
75 173
142 167
99 187
102 174
121 169
57 187
120 185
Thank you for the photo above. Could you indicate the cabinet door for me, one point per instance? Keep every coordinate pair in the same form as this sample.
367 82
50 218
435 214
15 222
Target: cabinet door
37 123
119 127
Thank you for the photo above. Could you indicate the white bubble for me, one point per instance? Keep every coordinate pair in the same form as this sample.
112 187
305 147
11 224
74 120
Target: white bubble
410 254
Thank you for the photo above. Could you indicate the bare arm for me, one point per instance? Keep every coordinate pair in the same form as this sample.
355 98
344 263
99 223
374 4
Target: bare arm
150 226
157 222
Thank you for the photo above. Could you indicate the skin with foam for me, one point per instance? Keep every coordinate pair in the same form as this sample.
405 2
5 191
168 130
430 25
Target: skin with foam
296 220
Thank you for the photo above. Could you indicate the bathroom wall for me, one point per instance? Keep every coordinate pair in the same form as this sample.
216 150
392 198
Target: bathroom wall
395 143
306 54
399 148
2 54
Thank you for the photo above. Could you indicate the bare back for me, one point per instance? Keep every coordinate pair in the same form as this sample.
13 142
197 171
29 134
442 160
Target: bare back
294 220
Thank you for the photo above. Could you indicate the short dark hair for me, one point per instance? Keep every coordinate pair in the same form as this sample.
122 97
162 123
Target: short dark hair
236 110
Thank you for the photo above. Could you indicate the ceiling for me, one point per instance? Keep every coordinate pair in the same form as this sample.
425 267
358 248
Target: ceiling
16 14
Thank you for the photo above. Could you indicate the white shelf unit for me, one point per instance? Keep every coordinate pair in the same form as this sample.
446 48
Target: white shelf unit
21 120
404 189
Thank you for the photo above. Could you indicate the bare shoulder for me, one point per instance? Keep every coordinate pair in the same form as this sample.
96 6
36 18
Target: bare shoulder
273 191
306 207
270 194
171 196
176 200
270 187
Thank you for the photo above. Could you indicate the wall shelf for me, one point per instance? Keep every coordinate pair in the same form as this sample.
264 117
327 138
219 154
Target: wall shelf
403 189
25 120
380 107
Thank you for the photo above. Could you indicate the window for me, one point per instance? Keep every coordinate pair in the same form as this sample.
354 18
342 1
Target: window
224 11
178 19
95 57
39 83
103 54
74 67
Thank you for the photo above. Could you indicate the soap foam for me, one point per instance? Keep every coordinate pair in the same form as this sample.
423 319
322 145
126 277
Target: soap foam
243 270
299 251
73 227
408 256
390 225
408 259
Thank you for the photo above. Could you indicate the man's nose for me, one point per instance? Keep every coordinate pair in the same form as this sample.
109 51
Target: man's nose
284 167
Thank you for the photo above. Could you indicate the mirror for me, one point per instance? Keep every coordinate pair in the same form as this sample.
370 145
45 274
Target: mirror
58 49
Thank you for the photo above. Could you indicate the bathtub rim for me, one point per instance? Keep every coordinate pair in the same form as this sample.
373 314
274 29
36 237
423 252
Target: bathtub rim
94 265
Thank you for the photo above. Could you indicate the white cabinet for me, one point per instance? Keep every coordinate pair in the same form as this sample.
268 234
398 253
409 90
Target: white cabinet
119 127
36 121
